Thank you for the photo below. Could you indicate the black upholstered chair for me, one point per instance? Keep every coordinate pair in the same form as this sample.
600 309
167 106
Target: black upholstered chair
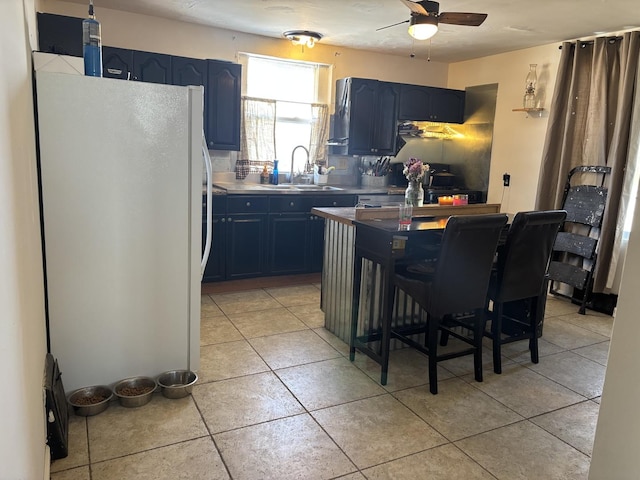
518 286
457 287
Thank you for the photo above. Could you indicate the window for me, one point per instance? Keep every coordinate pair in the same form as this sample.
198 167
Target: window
285 105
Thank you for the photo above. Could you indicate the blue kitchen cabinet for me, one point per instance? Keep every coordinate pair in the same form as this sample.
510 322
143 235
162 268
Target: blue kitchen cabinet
117 63
366 115
222 105
431 104
215 269
246 236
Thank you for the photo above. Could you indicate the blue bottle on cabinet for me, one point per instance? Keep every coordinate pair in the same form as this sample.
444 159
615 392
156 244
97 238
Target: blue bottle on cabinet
274 178
91 44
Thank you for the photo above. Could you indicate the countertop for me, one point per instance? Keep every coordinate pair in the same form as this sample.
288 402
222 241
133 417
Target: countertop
348 215
296 189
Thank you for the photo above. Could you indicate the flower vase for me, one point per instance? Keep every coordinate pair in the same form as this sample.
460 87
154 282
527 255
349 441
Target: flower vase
414 194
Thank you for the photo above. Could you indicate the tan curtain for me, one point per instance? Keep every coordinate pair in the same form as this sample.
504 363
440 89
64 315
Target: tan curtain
258 136
319 133
589 124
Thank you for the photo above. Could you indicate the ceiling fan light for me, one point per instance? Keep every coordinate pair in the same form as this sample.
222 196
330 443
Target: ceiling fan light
302 37
423 27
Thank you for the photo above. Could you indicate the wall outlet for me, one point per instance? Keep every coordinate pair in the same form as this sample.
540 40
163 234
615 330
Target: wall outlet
506 179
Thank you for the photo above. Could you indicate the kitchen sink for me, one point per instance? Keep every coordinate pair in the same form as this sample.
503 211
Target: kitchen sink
283 187
301 187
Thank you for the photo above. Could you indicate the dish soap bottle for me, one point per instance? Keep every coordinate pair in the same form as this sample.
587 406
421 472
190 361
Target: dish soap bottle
274 179
264 176
91 44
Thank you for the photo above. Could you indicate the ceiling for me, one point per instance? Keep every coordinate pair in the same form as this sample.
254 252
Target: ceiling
510 25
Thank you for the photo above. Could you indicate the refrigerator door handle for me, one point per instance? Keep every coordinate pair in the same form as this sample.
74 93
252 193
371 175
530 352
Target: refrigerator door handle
207 243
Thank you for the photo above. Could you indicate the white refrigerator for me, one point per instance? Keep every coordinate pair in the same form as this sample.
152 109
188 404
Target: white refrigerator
121 196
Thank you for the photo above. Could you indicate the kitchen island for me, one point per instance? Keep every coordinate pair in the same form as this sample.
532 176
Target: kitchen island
338 264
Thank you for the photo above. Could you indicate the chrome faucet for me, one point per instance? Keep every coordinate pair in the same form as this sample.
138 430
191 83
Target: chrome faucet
307 166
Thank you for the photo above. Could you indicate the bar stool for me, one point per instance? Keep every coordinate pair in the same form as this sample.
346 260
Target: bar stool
518 284
455 294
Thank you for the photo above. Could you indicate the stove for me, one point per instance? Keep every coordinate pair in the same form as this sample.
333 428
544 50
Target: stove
439 183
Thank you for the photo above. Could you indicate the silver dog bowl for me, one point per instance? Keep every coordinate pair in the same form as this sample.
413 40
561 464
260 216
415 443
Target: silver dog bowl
177 383
88 401
135 392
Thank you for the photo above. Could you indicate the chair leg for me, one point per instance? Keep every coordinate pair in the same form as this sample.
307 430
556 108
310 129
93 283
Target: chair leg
432 347
496 332
478 333
444 338
536 314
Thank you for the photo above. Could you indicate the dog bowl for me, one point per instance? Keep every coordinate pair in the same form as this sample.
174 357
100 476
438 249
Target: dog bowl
135 391
177 383
88 401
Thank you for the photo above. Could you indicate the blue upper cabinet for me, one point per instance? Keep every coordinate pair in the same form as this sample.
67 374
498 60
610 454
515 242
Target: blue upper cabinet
420 103
222 105
59 34
188 71
366 114
117 63
152 67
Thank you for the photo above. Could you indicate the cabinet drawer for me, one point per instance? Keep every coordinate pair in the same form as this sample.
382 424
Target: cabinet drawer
247 204
290 203
218 204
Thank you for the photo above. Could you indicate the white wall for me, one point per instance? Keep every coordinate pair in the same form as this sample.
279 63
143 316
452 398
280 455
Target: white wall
22 325
617 442
517 139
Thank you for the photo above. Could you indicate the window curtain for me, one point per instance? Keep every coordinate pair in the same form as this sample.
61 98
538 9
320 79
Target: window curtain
319 133
590 124
258 136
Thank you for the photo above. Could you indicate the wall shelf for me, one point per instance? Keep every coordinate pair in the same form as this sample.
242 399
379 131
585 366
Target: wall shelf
529 111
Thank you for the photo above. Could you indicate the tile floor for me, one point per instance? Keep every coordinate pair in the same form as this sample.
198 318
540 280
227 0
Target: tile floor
278 399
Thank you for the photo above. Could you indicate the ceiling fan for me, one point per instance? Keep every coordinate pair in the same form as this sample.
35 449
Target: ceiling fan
425 16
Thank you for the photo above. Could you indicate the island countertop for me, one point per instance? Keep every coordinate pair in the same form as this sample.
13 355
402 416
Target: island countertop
347 215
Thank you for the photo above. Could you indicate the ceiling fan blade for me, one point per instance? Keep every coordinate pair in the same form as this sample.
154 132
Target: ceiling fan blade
460 18
392 25
415 7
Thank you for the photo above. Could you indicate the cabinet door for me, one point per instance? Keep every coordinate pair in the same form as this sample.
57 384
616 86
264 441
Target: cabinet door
316 227
215 269
151 67
447 105
415 103
188 71
222 105
386 128
363 98
246 245
59 34
316 243
117 63
288 243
